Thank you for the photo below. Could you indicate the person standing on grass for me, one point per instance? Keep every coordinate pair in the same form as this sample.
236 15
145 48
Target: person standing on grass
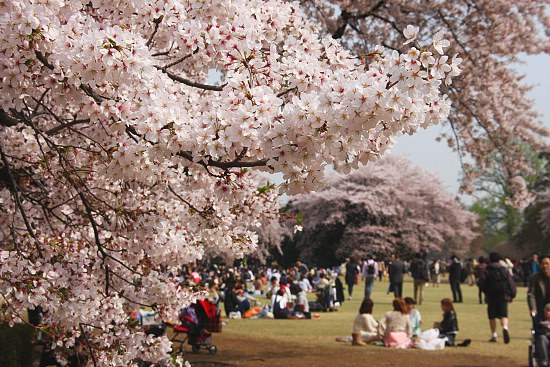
419 272
479 270
455 274
435 273
352 274
538 293
396 271
370 269
500 289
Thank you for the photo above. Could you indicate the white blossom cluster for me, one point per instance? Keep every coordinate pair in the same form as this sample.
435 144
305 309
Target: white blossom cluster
122 162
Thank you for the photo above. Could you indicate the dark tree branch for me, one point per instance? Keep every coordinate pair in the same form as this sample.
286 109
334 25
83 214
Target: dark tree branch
58 128
225 165
40 56
157 24
88 344
174 77
7 120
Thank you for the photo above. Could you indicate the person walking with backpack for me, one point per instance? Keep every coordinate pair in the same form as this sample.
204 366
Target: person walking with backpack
370 269
419 272
500 289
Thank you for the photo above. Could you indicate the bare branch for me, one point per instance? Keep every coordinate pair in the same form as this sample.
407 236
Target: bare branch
225 165
174 77
157 22
58 128
40 56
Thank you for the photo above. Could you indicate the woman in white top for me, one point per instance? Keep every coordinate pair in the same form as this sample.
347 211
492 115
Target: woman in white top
364 326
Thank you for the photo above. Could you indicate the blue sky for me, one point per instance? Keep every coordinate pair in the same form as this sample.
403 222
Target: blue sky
422 149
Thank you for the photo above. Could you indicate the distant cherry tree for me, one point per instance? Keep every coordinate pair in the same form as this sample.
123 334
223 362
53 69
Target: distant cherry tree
389 206
491 112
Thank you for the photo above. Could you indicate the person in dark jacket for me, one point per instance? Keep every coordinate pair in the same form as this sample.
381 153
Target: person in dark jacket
420 274
448 327
479 270
538 293
396 271
352 275
500 289
455 274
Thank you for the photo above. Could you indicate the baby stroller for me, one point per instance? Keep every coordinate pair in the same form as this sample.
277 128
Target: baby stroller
533 357
198 322
326 300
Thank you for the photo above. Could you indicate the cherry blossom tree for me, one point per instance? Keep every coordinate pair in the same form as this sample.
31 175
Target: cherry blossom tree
389 206
491 113
120 162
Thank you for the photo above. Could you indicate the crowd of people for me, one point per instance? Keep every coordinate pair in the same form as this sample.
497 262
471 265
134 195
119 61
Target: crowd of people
253 289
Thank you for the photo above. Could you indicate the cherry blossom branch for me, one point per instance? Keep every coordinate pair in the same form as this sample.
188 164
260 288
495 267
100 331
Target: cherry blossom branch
15 193
63 126
453 33
201 213
40 56
163 53
174 77
80 325
346 16
225 165
458 147
157 22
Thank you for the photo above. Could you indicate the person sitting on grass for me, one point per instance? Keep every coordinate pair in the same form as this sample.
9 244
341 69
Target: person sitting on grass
448 327
279 306
301 307
414 314
364 326
395 327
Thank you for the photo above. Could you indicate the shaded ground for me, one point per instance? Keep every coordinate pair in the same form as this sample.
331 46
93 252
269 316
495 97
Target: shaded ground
249 352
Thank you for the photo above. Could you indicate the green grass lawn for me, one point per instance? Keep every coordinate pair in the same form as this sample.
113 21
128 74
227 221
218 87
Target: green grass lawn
472 318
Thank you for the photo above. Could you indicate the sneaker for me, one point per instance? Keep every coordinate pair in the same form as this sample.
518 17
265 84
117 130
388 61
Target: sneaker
506 336
465 343
493 340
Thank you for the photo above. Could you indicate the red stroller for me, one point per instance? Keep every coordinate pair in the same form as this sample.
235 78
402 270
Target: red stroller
198 322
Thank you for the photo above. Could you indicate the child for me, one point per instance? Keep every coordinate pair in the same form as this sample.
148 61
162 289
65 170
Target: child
448 327
414 315
543 337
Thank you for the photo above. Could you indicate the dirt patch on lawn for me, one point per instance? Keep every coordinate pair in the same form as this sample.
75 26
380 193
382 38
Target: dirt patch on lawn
236 351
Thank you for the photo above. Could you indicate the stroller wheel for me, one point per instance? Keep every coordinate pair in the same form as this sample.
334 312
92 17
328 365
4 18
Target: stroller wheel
195 348
212 350
532 359
181 349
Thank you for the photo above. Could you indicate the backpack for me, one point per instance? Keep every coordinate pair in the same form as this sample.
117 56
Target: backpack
419 270
496 281
370 269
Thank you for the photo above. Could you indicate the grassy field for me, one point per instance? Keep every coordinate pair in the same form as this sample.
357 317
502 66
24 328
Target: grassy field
472 319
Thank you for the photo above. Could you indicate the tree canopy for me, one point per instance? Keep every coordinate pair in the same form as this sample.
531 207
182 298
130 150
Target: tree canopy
491 112
389 206
120 162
